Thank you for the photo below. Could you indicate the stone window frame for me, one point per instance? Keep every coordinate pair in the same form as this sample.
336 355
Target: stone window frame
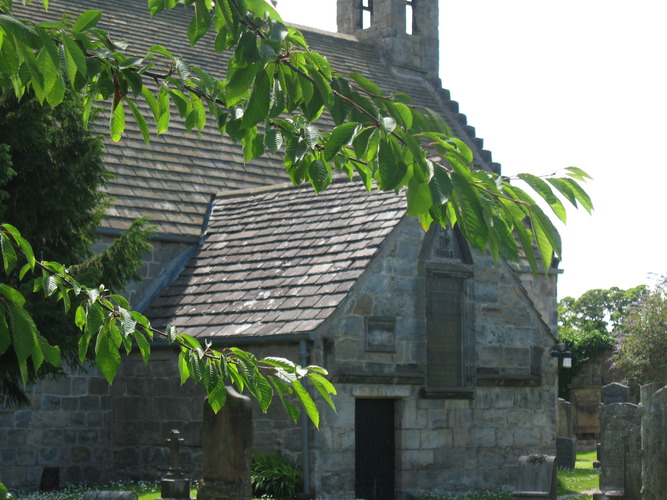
461 268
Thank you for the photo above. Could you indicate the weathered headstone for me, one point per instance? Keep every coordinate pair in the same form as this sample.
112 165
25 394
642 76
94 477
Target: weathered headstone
566 443
633 465
564 419
654 443
566 452
536 479
585 405
615 393
110 495
174 486
227 450
618 421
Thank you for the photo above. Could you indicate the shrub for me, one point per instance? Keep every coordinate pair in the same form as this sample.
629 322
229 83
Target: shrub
273 476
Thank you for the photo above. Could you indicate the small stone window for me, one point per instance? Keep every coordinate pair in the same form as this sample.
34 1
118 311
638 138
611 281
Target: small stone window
366 13
381 334
410 20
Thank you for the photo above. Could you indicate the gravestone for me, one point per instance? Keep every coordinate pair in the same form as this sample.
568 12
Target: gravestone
566 443
174 486
536 479
227 450
654 442
585 405
564 419
110 495
633 465
615 393
618 426
566 452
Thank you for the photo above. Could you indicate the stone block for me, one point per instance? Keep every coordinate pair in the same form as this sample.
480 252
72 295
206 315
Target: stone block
80 454
411 439
436 439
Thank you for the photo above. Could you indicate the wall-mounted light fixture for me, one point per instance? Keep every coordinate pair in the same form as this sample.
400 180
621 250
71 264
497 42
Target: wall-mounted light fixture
560 351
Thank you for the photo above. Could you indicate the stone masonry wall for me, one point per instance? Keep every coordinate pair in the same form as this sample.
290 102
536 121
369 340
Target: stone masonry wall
149 401
447 443
68 425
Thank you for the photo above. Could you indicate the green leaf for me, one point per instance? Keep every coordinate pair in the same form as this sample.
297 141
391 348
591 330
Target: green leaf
144 346
217 394
313 135
578 173
201 22
74 57
419 197
273 140
22 243
392 169
141 121
164 107
5 336
543 189
320 175
307 403
117 122
239 83
51 353
340 136
86 20
9 257
155 6
12 295
324 387
24 336
183 367
107 355
257 108
366 84
279 362
401 113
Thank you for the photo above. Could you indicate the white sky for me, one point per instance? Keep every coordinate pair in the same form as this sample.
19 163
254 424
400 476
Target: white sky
554 83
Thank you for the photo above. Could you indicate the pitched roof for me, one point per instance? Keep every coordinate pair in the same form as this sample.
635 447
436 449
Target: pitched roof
173 178
278 260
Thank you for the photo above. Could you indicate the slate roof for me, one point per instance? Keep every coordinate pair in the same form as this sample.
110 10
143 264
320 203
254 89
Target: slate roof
278 261
173 178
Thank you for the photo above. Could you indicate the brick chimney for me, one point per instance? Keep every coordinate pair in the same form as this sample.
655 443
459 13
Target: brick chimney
406 31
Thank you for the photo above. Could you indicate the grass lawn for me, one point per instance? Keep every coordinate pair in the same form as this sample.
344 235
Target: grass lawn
582 478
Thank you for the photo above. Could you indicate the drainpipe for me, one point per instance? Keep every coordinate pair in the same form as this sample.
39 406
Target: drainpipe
305 443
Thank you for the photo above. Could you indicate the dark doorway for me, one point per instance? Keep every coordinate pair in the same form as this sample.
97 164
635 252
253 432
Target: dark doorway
375 449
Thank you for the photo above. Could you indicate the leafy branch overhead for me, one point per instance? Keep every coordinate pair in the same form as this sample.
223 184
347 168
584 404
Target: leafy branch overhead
109 326
274 92
277 97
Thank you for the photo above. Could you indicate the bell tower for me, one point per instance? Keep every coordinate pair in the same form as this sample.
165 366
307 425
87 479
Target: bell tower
405 30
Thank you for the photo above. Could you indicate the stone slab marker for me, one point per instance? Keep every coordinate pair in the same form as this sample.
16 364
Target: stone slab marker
566 443
654 443
227 450
615 393
536 479
618 427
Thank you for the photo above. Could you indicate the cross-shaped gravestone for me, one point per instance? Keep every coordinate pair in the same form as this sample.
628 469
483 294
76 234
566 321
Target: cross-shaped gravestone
174 442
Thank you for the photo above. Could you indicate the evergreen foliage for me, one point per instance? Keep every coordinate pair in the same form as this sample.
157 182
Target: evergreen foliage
51 181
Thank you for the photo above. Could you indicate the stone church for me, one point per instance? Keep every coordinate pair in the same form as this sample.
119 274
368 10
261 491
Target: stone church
440 356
